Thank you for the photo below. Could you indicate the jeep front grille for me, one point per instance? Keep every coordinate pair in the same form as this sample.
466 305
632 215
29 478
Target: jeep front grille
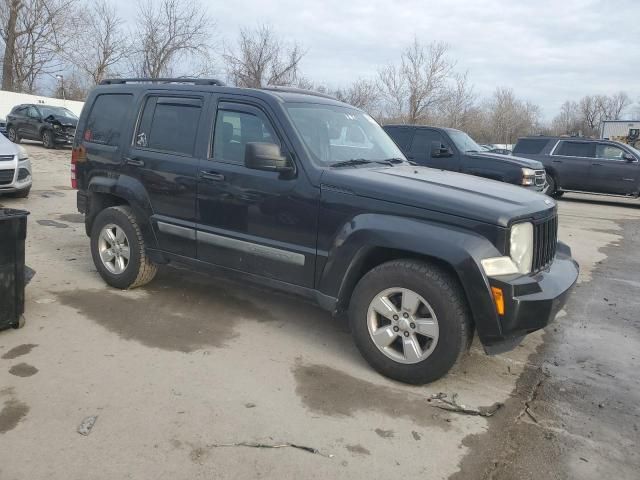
545 241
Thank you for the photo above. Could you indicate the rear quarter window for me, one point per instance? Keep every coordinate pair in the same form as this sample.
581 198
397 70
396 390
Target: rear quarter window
530 146
105 123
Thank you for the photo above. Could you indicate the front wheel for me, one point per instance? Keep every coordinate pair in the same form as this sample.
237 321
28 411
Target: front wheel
552 187
47 139
118 249
410 320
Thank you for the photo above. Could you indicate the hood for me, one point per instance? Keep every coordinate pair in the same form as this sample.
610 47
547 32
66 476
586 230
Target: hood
61 120
520 161
7 147
442 191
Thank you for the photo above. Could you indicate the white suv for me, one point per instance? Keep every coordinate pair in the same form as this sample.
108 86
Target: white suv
15 169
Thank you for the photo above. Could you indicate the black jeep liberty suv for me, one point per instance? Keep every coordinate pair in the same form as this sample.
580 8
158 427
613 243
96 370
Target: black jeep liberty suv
300 192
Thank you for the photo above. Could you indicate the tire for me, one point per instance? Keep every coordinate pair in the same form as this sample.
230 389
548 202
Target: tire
12 134
445 303
47 139
552 190
138 269
22 193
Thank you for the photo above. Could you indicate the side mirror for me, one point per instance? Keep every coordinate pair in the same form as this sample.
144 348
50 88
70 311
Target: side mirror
265 156
629 158
438 150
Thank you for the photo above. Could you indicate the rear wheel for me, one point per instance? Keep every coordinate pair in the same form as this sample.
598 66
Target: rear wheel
118 249
410 320
12 134
47 139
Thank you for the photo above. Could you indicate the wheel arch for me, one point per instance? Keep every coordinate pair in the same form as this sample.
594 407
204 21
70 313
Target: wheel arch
105 192
374 241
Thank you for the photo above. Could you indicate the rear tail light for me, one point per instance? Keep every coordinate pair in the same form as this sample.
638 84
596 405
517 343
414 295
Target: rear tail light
74 161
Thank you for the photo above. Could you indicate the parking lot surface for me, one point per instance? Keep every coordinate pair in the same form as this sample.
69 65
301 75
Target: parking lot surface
192 376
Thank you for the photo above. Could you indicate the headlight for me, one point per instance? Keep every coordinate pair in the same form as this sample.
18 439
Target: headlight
22 153
56 127
521 251
528 176
520 256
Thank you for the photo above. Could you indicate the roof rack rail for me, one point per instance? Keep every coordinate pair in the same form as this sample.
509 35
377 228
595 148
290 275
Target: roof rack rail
277 88
194 81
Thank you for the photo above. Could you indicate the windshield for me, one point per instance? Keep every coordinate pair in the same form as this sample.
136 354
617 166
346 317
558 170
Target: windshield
56 111
464 142
339 134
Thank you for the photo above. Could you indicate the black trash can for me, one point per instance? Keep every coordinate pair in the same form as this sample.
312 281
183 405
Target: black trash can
13 231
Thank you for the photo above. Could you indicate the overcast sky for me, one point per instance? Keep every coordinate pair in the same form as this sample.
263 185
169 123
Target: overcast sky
547 51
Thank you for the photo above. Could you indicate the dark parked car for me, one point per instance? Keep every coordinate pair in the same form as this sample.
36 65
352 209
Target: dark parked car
51 125
3 126
303 193
585 165
451 149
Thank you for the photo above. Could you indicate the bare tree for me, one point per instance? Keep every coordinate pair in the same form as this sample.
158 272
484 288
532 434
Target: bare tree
568 120
612 107
101 45
458 105
363 94
170 31
260 58
414 89
34 32
509 117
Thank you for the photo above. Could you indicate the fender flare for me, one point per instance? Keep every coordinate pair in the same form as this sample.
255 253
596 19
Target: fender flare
131 191
461 249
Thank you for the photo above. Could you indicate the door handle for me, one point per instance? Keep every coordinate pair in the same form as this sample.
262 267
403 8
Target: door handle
134 162
214 176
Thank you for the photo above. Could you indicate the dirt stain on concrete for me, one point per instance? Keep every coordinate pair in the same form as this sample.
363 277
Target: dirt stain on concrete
180 313
384 433
63 187
23 370
358 449
13 411
72 217
331 392
416 436
52 223
18 351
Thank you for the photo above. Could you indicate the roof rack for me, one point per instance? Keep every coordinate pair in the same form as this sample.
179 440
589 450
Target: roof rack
303 91
194 81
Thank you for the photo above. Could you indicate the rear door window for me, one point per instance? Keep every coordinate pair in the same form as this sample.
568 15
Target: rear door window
530 146
575 149
107 118
169 124
402 136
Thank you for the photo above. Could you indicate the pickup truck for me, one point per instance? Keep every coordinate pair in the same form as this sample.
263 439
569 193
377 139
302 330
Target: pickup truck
297 191
454 150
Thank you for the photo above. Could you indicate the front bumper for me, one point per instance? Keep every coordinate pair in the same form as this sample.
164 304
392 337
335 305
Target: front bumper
15 176
532 301
64 137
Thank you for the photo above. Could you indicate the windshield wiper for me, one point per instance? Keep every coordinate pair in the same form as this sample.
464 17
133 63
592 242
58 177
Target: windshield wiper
361 161
395 160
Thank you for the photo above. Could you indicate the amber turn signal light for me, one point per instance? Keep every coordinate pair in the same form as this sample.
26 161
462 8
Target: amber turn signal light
498 299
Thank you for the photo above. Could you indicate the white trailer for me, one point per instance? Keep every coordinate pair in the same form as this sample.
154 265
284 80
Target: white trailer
625 131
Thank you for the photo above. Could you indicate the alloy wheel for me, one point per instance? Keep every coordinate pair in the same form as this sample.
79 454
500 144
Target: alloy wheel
402 325
113 248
